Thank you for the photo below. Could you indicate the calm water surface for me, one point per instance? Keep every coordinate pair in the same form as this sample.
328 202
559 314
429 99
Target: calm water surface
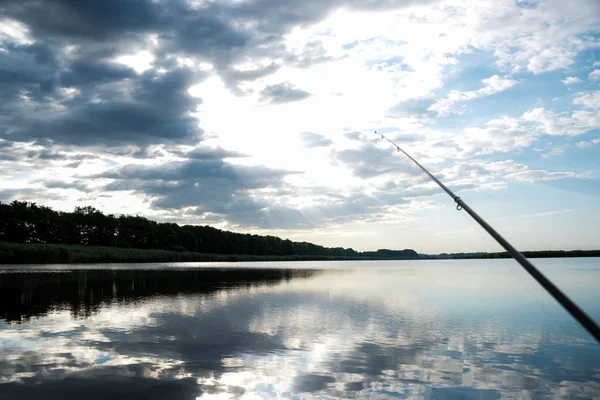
477 329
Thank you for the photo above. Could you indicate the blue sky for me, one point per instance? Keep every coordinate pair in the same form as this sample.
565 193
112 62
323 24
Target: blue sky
257 116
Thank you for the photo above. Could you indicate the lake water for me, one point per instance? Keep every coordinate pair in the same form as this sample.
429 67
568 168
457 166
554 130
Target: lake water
473 329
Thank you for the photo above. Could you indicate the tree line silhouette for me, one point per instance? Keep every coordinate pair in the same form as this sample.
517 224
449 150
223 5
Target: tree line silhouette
28 223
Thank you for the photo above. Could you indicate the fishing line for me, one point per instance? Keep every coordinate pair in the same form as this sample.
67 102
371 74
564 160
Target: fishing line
552 289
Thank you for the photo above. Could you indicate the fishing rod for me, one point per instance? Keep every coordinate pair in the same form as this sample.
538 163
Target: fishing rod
562 298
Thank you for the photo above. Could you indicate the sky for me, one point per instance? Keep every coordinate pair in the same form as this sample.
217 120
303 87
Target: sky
258 116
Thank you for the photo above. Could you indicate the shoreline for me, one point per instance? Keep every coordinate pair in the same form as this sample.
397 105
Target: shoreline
39 253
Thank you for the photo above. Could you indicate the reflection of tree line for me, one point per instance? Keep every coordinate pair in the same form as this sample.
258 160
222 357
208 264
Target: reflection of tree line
26 295
23 222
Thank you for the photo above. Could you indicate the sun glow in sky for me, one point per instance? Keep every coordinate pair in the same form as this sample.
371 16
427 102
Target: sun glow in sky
258 116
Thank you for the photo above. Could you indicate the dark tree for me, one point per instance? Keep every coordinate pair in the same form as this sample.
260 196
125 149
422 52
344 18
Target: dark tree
23 222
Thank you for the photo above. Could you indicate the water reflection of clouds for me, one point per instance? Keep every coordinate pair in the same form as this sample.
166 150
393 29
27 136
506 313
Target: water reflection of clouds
316 338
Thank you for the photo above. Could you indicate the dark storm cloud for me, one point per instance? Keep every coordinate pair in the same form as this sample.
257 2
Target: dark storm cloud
51 154
277 16
220 188
64 91
85 72
218 153
284 92
250 177
107 106
208 185
7 195
84 19
8 157
315 140
75 43
8 152
48 155
203 32
24 68
38 195
111 104
40 158
153 109
57 184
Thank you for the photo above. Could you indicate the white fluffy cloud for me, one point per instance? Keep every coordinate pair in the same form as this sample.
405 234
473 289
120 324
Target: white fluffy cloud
541 38
493 84
589 100
551 123
583 144
570 80
594 75
499 135
506 134
480 170
541 175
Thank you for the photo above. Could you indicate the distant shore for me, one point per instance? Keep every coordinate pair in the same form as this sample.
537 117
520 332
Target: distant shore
37 253
528 254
